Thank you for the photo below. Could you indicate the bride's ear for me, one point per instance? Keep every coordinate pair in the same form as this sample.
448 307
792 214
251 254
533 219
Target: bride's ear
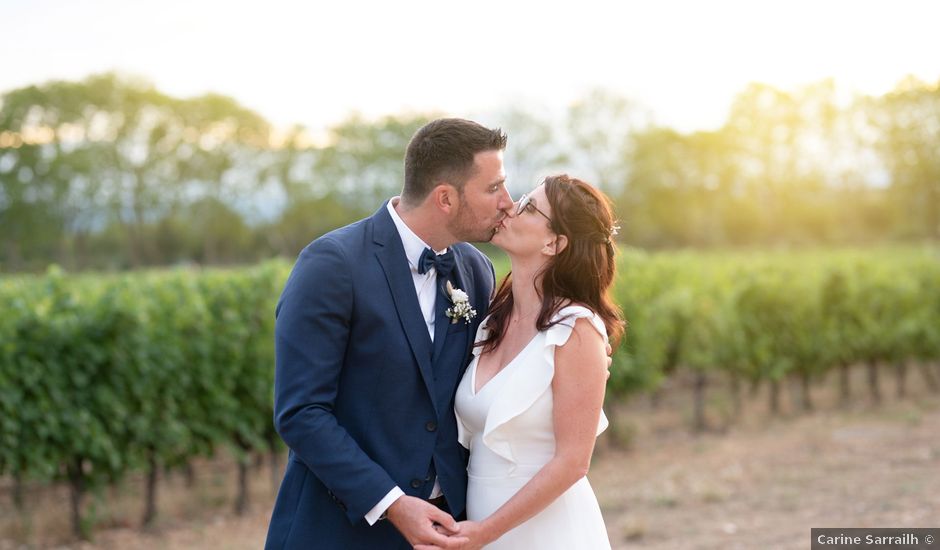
555 246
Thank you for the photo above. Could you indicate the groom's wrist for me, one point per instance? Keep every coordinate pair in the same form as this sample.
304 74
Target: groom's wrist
380 510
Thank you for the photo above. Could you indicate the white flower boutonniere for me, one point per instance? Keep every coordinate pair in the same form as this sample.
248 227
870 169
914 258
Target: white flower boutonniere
461 307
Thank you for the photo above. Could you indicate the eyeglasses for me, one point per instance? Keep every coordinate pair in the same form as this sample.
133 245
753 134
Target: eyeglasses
525 203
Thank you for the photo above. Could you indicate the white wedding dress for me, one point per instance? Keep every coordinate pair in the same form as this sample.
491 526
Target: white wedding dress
508 428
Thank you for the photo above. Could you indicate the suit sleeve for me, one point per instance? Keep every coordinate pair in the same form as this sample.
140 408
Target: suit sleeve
311 334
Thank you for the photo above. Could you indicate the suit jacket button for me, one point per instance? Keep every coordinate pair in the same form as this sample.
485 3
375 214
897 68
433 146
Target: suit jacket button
415 483
431 426
336 499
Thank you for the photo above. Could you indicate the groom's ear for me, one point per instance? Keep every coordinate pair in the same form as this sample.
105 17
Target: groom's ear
444 197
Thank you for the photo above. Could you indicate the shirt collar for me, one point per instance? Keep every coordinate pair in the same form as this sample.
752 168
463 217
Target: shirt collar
413 244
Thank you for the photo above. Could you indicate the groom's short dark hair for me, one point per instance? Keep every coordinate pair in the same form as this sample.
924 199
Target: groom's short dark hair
443 150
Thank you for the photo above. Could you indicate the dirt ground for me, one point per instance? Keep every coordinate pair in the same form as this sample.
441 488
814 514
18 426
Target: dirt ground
761 483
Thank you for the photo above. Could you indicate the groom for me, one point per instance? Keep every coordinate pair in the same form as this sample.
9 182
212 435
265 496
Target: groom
368 356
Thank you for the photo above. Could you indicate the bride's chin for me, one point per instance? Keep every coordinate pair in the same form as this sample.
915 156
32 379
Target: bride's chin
497 240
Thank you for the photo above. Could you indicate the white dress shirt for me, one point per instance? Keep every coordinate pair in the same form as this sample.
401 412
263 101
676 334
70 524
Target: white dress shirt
426 289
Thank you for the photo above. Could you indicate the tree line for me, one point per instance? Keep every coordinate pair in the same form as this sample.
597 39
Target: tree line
110 173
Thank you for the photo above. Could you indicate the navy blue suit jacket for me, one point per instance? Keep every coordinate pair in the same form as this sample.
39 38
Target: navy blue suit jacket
363 398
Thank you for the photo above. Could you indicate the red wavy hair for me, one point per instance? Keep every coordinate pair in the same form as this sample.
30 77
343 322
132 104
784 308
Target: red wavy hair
581 273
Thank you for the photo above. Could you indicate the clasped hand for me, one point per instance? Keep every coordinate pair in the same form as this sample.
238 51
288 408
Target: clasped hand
424 525
471 537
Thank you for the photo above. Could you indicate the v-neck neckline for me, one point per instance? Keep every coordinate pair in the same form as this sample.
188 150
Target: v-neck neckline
473 379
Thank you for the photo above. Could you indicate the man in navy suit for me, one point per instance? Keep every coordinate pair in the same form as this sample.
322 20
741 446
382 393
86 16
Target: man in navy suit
370 347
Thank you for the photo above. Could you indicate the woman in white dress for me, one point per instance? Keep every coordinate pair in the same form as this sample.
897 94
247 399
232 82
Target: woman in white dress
529 405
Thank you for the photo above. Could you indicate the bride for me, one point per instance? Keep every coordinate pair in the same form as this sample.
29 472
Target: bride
529 405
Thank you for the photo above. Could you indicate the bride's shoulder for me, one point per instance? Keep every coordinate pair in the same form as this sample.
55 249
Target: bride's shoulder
566 320
573 311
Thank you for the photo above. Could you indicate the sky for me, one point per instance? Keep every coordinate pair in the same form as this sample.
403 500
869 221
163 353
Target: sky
314 63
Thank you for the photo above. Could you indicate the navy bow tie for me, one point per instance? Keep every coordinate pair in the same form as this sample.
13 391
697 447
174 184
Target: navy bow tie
443 263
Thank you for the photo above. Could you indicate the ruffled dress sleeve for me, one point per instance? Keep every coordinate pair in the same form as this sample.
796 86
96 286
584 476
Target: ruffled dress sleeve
527 385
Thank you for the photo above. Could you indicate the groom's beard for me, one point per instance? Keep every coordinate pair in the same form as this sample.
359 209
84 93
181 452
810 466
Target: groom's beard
464 230
470 227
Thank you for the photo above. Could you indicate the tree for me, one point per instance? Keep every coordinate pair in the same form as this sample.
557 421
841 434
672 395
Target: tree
363 161
600 128
679 188
533 150
113 149
908 120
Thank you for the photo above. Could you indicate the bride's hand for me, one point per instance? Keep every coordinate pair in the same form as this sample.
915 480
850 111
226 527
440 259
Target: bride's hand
476 535
470 530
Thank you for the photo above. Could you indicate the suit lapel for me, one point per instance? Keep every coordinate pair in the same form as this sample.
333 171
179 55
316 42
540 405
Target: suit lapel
391 256
465 280
441 321
460 279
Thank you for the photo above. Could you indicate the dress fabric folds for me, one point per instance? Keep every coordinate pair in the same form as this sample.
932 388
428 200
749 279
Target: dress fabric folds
507 426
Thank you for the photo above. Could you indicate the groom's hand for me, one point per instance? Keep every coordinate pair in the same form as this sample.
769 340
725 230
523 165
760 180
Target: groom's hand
610 359
415 519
